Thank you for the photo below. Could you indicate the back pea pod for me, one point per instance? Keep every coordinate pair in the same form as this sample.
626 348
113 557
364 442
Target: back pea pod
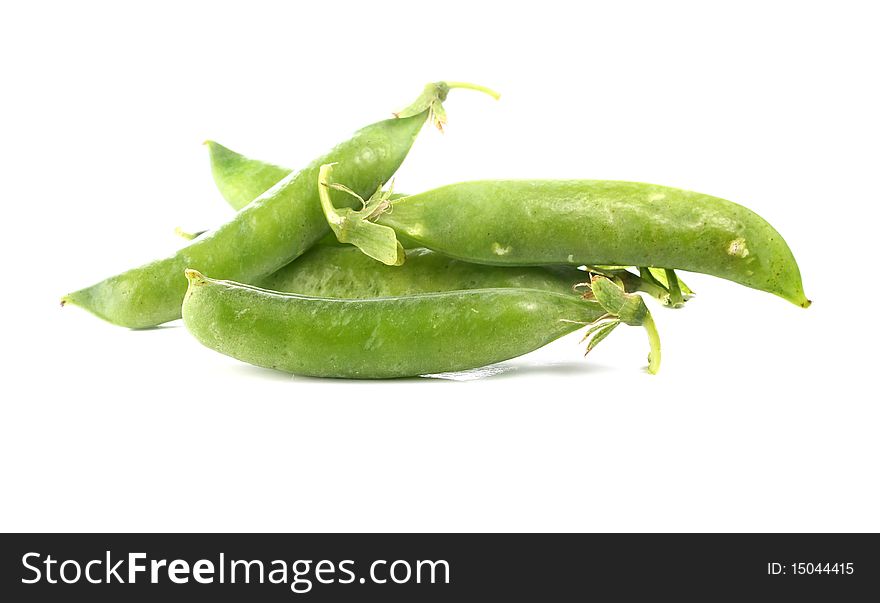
240 179
345 272
573 222
380 337
269 232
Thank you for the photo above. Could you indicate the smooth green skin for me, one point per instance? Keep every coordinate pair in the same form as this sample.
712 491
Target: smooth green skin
345 272
599 222
240 179
377 338
267 234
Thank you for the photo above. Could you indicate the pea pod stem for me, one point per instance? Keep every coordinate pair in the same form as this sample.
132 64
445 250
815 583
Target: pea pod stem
676 299
654 343
625 308
649 277
431 100
660 275
667 280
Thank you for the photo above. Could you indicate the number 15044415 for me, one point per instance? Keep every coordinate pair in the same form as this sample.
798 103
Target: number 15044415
801 568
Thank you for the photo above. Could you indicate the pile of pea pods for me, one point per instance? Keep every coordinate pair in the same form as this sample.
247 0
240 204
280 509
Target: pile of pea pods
323 272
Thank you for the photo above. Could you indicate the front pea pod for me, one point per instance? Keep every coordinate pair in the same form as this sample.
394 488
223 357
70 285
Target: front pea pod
389 337
622 307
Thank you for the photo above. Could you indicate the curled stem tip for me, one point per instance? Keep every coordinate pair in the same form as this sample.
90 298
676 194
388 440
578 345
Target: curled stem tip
477 87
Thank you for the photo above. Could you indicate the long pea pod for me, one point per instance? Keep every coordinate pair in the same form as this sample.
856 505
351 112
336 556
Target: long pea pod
573 222
383 337
241 179
269 232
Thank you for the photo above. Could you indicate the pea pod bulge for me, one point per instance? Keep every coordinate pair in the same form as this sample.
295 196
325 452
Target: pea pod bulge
574 222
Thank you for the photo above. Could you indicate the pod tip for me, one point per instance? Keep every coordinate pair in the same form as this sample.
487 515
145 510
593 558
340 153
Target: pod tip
194 277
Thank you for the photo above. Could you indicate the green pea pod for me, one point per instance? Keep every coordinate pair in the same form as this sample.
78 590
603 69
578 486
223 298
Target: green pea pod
345 272
239 178
277 227
379 337
592 222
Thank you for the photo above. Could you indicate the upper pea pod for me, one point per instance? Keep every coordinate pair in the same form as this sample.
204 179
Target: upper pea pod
241 179
592 222
268 233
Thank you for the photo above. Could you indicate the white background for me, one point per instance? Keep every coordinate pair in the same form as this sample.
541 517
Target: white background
764 416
